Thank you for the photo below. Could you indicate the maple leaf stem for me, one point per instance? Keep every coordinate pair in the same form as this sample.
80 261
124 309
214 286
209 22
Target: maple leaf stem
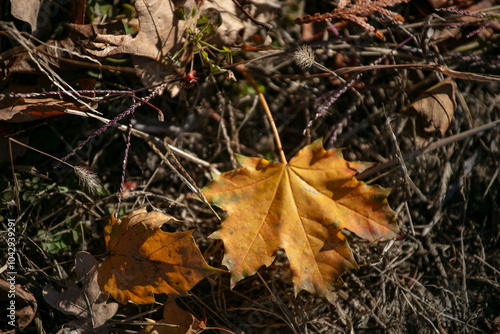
268 113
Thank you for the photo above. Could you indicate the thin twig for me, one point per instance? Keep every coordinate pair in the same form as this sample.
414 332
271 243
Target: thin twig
147 137
267 26
41 152
429 67
289 319
268 113
16 186
406 177
487 264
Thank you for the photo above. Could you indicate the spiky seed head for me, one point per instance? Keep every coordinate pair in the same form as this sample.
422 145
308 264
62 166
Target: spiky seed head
304 56
87 179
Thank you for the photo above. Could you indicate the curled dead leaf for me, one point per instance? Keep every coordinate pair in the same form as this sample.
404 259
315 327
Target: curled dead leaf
434 109
27 11
162 33
27 109
31 109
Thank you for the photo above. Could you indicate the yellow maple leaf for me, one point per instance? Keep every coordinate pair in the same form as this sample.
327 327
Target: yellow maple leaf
301 208
143 260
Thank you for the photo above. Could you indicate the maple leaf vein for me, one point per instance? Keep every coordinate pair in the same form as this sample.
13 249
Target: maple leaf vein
264 219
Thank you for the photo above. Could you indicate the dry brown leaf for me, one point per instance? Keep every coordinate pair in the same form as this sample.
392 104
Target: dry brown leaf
27 109
60 55
143 260
159 30
236 27
88 303
175 315
24 305
27 11
161 33
434 109
31 109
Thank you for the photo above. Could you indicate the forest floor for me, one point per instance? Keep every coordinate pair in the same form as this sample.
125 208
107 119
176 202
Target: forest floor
416 93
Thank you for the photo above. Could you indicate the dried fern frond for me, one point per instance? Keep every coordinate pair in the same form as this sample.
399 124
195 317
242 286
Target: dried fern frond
343 3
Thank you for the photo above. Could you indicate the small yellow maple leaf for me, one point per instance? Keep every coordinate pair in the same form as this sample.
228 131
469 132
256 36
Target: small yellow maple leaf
143 260
300 207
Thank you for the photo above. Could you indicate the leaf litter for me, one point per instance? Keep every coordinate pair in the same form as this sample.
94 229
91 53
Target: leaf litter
441 279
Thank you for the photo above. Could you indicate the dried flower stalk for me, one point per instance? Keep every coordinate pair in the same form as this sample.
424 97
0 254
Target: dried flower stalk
357 13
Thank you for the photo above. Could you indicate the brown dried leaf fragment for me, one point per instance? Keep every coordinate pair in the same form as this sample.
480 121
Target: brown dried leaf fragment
21 308
88 303
173 314
434 109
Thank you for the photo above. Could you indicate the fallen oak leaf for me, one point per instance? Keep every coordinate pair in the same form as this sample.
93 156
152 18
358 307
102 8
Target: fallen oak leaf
161 31
32 108
88 303
143 260
26 11
300 207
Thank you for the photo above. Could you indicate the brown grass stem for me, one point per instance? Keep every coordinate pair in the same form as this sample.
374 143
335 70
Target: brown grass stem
443 142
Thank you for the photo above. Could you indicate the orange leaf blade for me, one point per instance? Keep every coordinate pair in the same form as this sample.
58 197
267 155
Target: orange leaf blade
144 260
